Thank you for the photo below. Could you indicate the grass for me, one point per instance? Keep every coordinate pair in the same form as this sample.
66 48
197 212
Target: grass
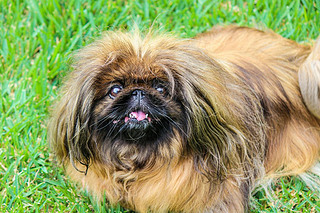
36 39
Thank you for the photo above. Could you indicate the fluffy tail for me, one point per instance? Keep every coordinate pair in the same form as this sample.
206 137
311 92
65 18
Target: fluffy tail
309 80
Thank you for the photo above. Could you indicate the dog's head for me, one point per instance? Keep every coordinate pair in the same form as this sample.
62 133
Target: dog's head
132 101
136 103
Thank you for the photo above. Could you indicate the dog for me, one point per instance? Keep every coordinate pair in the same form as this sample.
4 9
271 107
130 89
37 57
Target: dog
158 124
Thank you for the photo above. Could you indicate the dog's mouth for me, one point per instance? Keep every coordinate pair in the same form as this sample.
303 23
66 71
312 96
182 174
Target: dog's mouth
136 116
135 126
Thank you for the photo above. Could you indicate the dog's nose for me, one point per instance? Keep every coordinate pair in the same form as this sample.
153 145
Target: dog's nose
138 94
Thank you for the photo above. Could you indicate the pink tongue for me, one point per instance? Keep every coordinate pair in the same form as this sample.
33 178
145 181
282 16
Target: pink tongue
137 115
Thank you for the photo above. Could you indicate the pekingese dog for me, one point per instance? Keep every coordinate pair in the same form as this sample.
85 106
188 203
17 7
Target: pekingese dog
160 124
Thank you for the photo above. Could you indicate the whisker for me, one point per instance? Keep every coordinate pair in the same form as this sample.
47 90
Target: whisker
168 118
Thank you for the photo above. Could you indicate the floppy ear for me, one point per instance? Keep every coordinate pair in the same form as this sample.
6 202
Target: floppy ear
218 144
69 134
216 118
69 128
209 137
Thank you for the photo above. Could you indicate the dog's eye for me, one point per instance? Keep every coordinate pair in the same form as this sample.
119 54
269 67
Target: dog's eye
160 89
160 86
114 91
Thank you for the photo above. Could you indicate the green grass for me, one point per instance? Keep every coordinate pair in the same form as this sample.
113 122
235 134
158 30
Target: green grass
36 40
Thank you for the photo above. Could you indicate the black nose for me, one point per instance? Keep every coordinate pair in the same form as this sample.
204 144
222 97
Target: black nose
138 94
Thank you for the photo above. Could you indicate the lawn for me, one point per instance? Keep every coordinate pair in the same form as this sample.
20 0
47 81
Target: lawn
36 40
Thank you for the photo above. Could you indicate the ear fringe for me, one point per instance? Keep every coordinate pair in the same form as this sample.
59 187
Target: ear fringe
309 80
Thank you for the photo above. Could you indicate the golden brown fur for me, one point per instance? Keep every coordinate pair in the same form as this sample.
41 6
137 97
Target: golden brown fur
245 118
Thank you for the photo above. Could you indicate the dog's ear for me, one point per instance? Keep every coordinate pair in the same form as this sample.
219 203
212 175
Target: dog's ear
68 132
210 136
217 118
69 128
218 139
207 134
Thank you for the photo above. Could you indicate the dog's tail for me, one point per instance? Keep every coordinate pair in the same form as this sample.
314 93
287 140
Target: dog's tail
309 80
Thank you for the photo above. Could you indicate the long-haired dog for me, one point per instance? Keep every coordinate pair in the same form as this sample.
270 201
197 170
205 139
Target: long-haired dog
160 124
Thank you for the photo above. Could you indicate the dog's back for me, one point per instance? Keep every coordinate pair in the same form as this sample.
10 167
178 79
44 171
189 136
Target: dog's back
272 67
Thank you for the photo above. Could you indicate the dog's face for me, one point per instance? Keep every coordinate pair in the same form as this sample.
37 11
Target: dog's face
131 103
135 104
137 110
